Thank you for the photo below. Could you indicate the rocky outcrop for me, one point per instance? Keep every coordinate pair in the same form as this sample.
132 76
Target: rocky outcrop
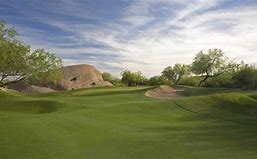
73 77
81 76
30 89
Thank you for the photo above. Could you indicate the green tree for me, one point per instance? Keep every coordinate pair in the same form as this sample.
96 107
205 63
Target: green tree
176 72
109 77
209 65
246 78
133 78
226 79
44 67
190 81
159 80
18 63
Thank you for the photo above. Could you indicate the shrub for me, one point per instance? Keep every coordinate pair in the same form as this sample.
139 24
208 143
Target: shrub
133 78
190 81
246 78
114 80
159 80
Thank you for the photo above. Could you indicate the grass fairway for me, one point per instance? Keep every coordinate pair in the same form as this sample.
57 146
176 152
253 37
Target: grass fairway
121 123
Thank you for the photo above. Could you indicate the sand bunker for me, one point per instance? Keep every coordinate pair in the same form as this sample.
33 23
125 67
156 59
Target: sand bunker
3 89
164 92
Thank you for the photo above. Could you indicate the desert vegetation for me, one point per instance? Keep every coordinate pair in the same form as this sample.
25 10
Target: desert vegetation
18 63
210 69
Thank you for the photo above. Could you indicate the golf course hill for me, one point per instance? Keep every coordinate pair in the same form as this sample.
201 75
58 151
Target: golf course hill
121 122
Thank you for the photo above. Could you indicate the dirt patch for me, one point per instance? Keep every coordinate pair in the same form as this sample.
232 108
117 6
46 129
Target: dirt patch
3 89
164 92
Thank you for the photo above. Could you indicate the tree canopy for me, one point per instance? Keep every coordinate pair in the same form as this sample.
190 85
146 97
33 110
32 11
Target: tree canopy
246 78
159 80
210 64
109 77
132 78
18 62
176 72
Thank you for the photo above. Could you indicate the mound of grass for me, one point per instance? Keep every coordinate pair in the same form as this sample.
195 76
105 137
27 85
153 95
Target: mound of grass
9 94
14 102
235 107
195 91
30 106
254 96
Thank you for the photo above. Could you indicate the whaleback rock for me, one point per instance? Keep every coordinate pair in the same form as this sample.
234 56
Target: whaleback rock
81 76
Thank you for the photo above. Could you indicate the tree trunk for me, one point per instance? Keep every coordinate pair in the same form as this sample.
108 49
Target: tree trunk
178 80
200 83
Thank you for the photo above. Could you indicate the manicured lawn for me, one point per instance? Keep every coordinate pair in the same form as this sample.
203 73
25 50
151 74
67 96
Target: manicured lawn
121 123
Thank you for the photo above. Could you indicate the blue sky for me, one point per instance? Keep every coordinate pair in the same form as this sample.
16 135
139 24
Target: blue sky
145 35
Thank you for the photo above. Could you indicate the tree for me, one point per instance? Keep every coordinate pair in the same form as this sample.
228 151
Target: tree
18 63
176 72
108 77
132 78
44 67
211 64
226 79
190 81
159 80
246 78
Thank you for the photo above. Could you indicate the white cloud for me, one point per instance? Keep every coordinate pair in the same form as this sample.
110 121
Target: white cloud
144 42
197 32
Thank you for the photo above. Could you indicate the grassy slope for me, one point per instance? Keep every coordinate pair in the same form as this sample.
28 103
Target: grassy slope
122 123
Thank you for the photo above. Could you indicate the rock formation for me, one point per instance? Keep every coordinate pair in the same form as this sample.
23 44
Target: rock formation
30 89
81 76
73 77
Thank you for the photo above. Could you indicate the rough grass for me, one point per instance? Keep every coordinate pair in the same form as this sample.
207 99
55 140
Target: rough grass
110 123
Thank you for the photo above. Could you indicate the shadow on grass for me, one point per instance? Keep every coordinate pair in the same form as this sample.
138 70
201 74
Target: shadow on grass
199 91
213 117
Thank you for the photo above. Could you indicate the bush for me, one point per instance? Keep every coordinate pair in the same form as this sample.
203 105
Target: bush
246 78
190 81
159 80
224 80
114 80
133 78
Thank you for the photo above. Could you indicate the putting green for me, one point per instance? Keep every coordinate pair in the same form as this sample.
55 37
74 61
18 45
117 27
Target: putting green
110 123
